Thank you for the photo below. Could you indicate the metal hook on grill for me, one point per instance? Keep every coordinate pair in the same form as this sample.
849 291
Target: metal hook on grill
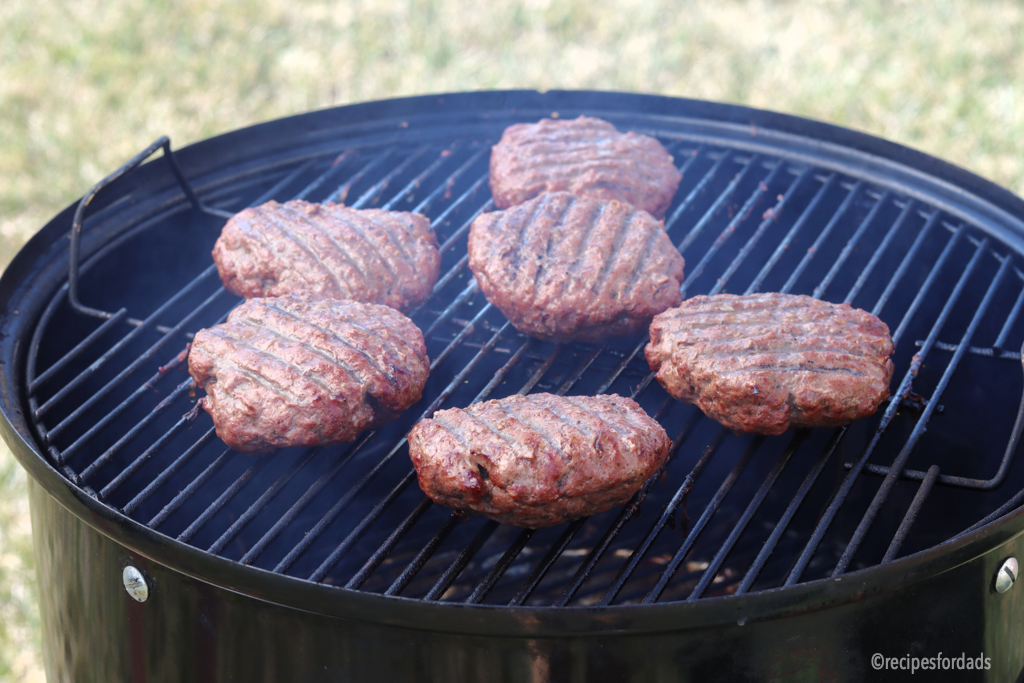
1011 449
969 482
76 225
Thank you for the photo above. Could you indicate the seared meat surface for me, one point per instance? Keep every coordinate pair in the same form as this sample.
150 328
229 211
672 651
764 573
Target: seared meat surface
764 362
290 371
562 267
538 460
585 156
330 251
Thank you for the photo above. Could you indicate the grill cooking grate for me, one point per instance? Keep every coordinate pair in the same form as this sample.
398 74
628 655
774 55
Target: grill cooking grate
113 404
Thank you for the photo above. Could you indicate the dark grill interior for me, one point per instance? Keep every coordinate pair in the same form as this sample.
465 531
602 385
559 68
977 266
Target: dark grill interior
112 401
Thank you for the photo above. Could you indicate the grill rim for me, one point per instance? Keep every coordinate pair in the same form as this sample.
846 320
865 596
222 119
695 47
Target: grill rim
46 254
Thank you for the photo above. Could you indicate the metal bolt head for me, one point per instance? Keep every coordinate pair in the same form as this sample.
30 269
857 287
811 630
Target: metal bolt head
135 583
1007 575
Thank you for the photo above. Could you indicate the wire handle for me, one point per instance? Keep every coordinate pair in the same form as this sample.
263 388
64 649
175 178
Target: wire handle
76 226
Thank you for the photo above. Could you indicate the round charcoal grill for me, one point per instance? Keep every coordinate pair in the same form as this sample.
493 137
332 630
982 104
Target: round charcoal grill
748 558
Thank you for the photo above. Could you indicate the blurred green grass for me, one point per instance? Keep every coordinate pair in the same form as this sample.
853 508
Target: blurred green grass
85 84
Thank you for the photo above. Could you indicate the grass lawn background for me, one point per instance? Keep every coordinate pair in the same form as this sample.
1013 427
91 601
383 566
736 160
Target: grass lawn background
85 84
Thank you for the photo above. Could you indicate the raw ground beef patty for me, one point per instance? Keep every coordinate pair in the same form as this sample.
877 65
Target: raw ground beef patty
761 363
538 460
289 371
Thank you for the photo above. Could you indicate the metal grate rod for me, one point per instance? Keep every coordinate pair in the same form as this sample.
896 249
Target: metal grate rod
621 367
691 538
358 531
794 504
457 516
134 432
698 189
443 281
456 567
223 498
578 372
499 569
339 163
284 182
262 501
107 324
783 246
299 505
719 202
510 555
459 201
628 512
445 187
929 281
487 206
1008 506
468 293
425 553
378 188
254 553
890 234
742 215
132 367
911 516
768 219
187 492
691 159
667 514
123 342
752 507
144 388
850 245
897 466
1000 342
171 470
341 193
909 259
549 560
415 183
820 239
967 482
385 548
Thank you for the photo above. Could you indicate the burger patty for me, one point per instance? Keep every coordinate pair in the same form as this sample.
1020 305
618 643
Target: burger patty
534 461
585 156
562 267
331 251
291 371
763 362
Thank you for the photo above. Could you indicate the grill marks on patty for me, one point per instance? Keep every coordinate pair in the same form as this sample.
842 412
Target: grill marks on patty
329 250
291 371
585 156
360 352
762 362
538 460
562 267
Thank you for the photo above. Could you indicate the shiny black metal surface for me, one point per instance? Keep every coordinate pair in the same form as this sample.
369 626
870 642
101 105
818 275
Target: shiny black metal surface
739 529
210 629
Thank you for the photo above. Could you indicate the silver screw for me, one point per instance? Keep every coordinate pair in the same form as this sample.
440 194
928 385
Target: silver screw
135 583
1006 575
